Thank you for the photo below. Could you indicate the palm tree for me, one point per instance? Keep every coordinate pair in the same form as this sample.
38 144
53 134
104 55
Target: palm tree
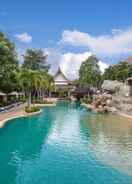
30 80
50 84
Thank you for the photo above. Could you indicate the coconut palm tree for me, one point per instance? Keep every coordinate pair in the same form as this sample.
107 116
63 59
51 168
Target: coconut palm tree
34 81
50 84
30 80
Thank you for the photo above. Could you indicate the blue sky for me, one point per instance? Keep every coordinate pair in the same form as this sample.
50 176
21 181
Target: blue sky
63 27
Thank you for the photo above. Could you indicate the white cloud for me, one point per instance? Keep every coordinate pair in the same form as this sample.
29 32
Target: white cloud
54 57
24 37
103 66
117 43
115 31
69 62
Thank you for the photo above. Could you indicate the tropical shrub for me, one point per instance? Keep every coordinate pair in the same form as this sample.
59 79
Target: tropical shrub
87 100
31 109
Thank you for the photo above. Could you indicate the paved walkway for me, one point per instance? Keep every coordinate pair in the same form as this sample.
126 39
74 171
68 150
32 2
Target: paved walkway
12 113
18 111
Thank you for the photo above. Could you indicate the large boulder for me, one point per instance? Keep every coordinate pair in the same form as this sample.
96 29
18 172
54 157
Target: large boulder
116 87
120 93
111 86
124 90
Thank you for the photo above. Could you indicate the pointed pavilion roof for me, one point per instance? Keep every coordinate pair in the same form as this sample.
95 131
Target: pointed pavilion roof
59 71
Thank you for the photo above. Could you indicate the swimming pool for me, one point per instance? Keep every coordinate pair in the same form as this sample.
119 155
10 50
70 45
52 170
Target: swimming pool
66 144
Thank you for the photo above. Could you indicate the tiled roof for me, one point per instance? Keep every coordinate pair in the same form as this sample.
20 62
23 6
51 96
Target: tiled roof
129 60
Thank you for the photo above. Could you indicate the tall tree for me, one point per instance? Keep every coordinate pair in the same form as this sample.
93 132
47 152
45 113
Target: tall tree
8 64
89 73
120 72
35 59
30 80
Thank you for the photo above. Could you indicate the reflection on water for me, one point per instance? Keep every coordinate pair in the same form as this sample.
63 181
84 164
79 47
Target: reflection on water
66 144
20 142
111 139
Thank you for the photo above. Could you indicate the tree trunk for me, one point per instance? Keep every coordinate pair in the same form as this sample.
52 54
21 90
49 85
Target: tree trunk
29 100
43 95
49 94
38 94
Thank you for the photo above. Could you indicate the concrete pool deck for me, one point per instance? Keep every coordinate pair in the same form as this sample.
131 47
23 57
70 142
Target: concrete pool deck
125 115
18 112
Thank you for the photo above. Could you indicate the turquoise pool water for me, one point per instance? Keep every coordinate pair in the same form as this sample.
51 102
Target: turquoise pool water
66 145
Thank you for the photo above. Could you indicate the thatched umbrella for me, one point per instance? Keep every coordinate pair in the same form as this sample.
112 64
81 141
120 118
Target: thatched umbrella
2 94
14 93
13 96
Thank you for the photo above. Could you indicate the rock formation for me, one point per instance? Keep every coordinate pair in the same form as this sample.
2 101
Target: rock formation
120 93
102 102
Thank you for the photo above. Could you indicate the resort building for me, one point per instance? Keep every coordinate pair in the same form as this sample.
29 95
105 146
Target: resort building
60 79
63 85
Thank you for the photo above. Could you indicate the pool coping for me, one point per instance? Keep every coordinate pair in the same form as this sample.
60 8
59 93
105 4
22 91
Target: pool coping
4 121
124 115
45 105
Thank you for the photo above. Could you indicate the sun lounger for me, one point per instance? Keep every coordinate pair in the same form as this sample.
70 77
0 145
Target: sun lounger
2 109
9 107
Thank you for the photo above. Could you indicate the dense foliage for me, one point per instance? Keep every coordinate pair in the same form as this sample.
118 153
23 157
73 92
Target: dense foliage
89 73
35 59
118 72
32 77
8 64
